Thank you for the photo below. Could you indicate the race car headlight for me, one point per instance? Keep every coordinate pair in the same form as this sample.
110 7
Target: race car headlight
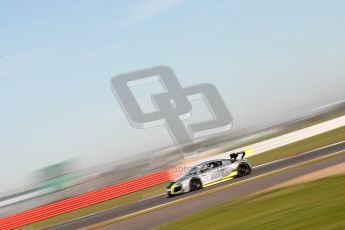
175 184
178 184
170 184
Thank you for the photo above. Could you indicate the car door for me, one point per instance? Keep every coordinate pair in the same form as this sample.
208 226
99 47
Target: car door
205 174
217 171
226 165
211 172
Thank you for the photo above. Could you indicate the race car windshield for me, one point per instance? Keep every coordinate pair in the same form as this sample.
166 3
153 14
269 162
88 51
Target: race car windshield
192 171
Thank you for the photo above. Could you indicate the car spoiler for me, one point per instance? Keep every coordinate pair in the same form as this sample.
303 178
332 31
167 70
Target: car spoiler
233 156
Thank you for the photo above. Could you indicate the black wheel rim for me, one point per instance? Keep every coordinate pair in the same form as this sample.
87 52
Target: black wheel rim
195 185
242 169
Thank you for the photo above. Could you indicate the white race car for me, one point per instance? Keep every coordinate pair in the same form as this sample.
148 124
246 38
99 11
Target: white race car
210 173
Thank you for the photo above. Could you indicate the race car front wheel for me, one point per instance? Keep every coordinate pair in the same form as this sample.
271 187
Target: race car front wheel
195 185
243 169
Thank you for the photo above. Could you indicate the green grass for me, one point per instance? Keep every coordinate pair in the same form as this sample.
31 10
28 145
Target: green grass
288 150
314 205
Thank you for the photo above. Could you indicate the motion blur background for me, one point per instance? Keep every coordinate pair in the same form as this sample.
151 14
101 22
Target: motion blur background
272 62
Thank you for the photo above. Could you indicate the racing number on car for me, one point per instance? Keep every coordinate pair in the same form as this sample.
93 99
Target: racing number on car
205 178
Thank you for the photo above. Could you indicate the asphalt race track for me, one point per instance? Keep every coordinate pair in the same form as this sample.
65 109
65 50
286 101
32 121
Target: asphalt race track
185 208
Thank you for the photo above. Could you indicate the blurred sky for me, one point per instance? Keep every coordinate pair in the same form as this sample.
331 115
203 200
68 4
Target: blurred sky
272 61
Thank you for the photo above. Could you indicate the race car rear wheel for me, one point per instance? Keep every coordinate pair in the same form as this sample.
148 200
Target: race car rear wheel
195 184
243 169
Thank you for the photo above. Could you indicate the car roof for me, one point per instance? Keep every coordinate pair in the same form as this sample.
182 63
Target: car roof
209 161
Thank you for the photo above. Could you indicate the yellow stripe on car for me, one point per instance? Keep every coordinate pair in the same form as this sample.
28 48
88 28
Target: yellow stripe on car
226 178
172 188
